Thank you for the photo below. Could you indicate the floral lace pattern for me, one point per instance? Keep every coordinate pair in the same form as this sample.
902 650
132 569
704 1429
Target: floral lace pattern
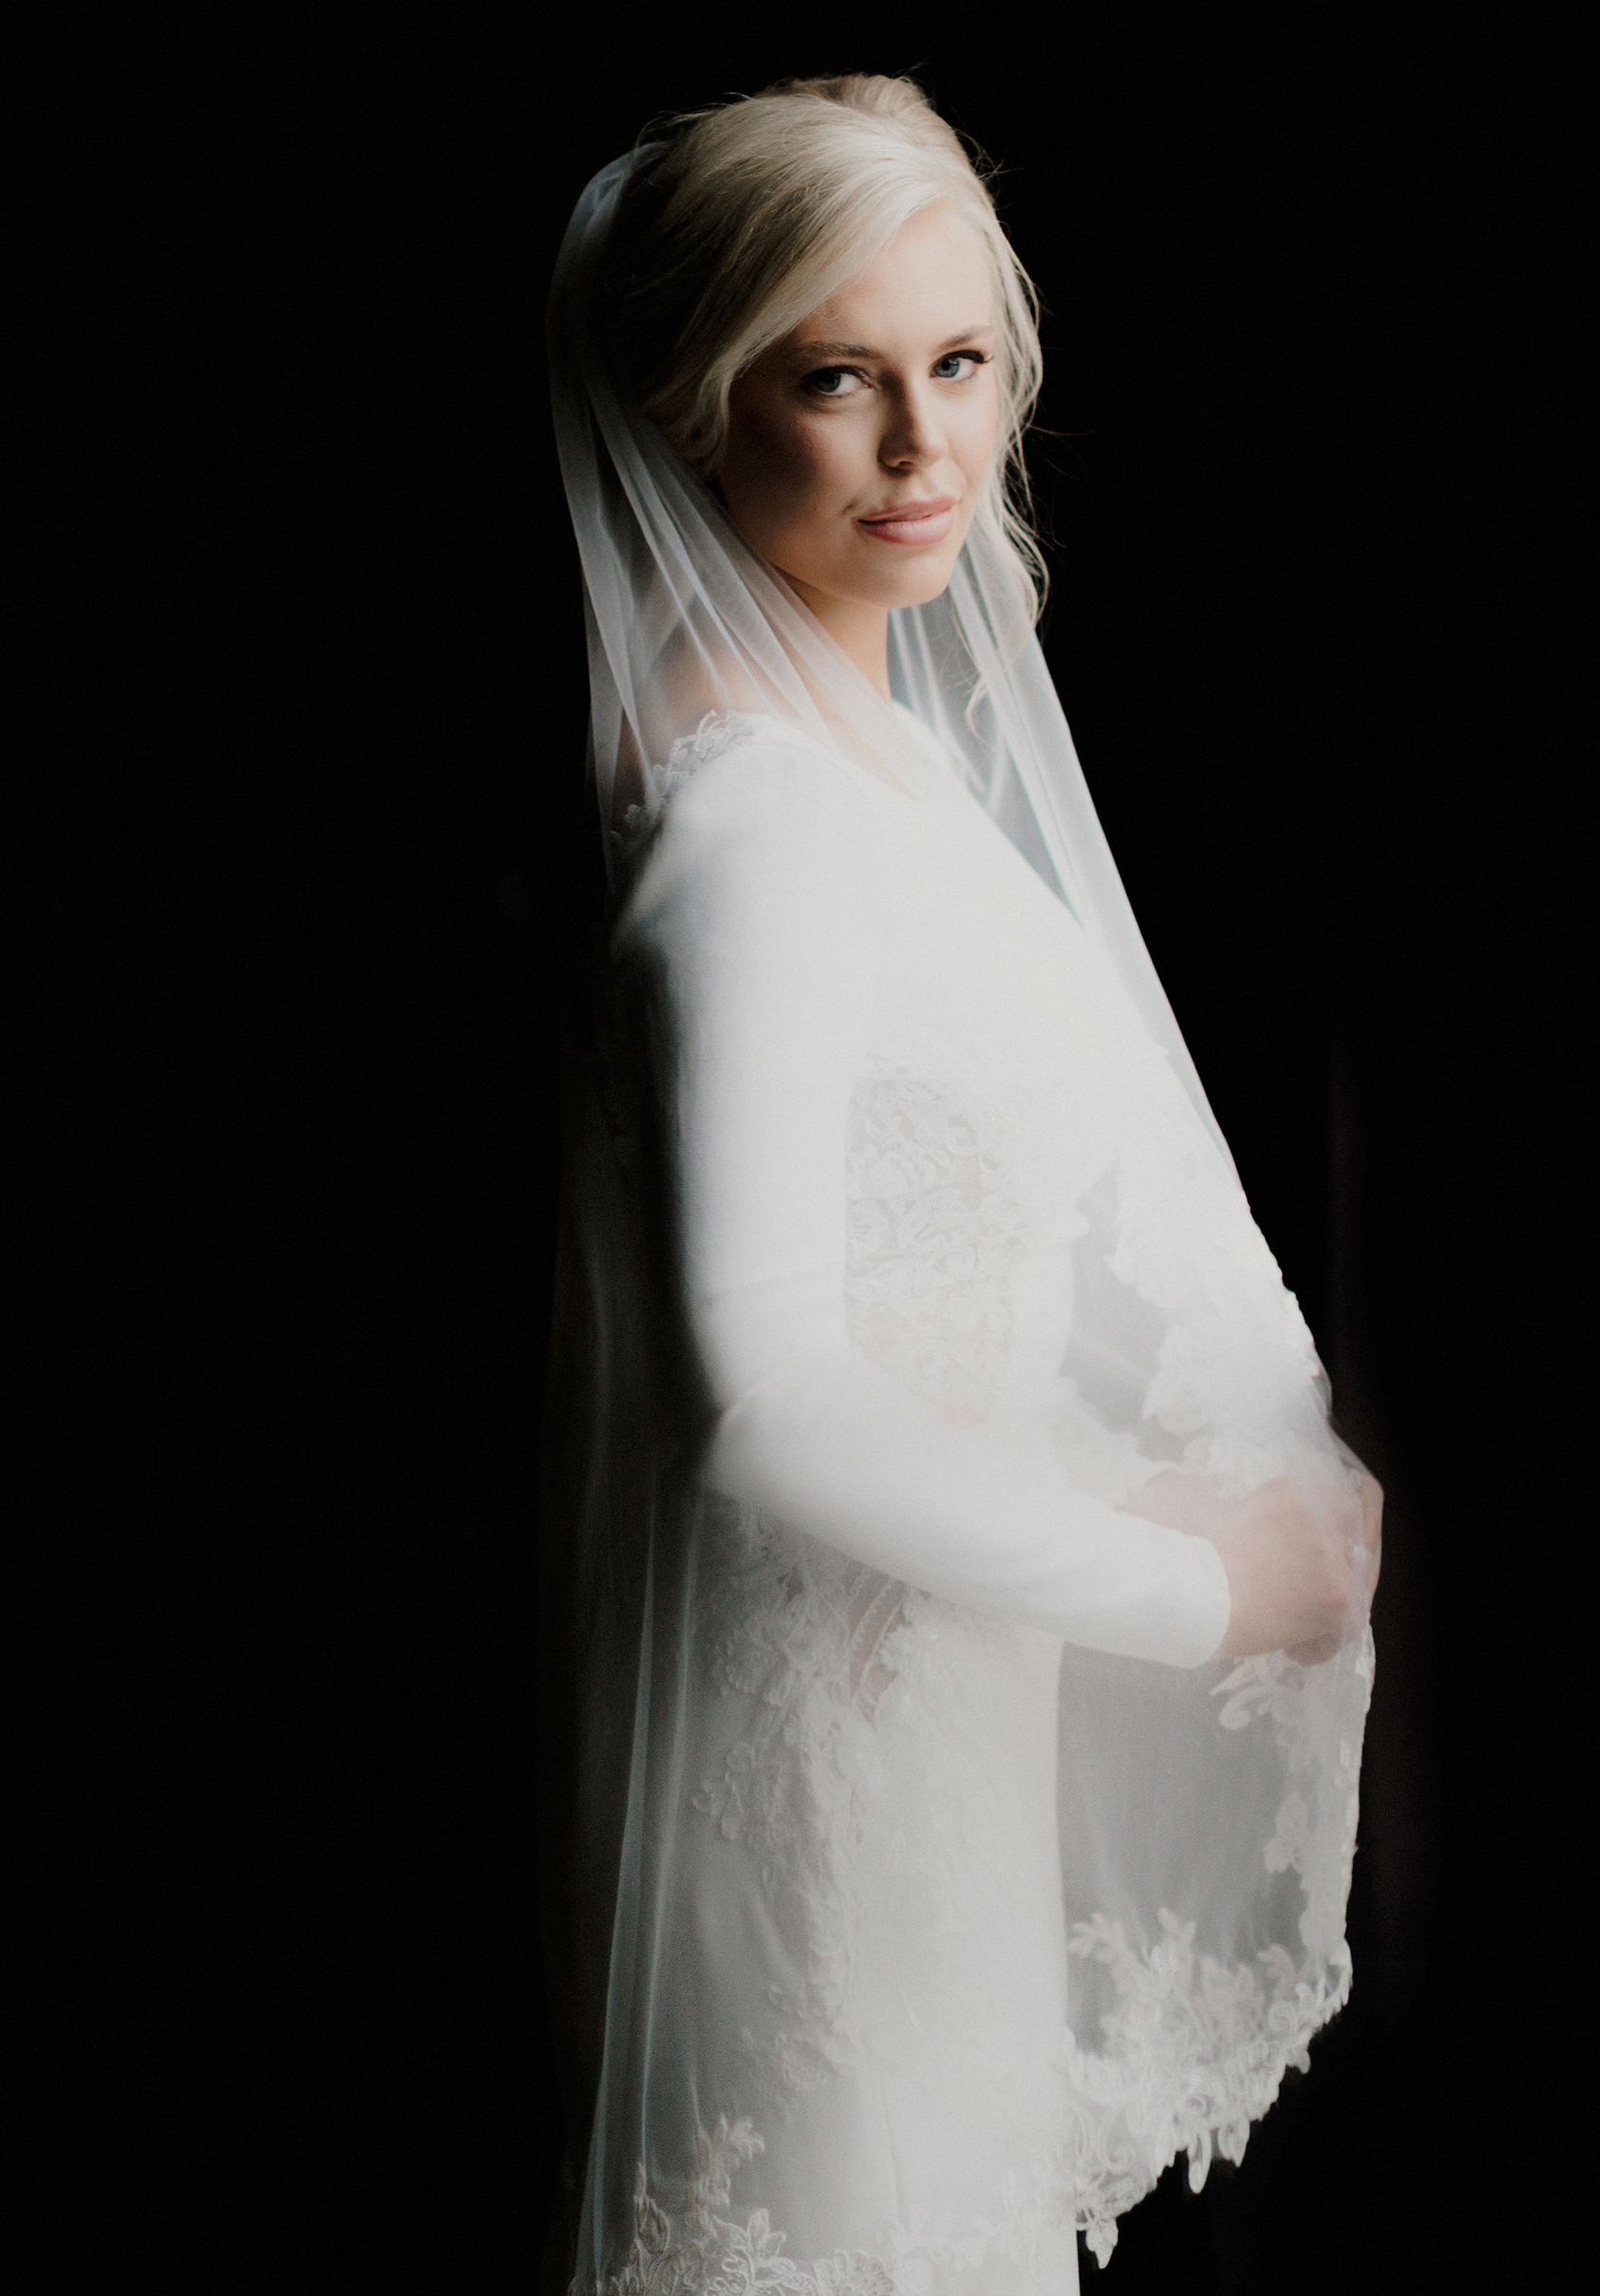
1195 2053
879 1894
1306 1706
1209 2047
791 1630
934 1231
813 1636
710 2253
884 1901
716 733
707 2254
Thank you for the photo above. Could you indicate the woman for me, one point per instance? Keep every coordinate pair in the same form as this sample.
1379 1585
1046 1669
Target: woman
957 1602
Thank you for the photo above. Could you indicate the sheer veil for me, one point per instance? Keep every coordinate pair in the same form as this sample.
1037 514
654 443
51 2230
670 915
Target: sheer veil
1206 1814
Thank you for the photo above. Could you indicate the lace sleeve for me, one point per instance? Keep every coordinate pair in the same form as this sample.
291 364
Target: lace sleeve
761 909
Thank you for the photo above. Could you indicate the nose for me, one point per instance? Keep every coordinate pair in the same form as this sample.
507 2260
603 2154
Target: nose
912 436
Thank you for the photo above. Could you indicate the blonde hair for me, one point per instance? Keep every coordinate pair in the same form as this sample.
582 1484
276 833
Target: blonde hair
745 217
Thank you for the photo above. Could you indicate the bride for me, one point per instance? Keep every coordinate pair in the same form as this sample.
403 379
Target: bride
956 1607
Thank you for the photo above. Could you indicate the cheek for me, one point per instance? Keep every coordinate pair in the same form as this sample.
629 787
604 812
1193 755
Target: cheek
776 475
973 437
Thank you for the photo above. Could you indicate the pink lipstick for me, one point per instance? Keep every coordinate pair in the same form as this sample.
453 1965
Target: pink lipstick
929 520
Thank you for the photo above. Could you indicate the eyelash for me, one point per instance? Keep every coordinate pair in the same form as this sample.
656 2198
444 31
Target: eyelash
978 358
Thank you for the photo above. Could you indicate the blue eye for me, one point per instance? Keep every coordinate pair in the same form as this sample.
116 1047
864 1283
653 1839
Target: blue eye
828 380
973 359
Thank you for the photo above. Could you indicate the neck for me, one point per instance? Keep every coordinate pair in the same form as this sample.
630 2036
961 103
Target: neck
858 630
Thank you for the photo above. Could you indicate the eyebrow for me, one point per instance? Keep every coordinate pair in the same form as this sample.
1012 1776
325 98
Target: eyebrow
864 350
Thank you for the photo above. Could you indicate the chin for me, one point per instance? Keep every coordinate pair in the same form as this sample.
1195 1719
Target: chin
906 585
922 585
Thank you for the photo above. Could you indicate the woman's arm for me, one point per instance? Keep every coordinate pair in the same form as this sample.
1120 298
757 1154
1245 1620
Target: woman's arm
763 912
1302 1564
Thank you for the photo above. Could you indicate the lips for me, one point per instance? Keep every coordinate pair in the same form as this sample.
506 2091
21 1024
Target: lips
929 520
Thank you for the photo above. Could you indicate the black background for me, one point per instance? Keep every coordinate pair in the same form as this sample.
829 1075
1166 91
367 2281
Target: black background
1306 472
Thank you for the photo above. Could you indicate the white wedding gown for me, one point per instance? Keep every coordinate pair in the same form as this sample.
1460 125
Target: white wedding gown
917 1882
896 1072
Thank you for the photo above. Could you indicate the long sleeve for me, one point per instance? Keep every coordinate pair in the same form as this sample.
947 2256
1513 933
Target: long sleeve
763 915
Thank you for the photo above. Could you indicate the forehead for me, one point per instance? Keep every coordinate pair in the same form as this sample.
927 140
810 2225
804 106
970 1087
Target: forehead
932 279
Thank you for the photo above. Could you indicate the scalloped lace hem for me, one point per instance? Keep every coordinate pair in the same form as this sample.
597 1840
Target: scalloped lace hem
1197 2052
1201 2054
709 2253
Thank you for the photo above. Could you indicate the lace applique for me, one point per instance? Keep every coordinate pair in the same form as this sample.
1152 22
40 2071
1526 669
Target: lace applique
877 1606
1293 1699
709 2253
810 1635
716 733
857 1687
1270 1685
1210 2047
1197 2052
934 1233
806 1634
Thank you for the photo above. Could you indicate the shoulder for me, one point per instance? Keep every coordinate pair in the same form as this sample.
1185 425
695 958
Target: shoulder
740 771
751 812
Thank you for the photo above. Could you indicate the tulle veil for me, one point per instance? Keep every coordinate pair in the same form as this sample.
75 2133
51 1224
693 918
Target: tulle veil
1207 1815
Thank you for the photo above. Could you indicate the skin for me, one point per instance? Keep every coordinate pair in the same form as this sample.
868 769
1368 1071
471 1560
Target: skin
1301 1564
882 399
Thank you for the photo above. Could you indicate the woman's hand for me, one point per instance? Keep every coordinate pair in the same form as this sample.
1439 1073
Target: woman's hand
1301 1562
1301 1568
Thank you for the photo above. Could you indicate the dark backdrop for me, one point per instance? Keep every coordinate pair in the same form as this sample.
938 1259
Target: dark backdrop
1303 471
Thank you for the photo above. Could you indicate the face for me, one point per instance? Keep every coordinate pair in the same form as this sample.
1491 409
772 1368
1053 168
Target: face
858 444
